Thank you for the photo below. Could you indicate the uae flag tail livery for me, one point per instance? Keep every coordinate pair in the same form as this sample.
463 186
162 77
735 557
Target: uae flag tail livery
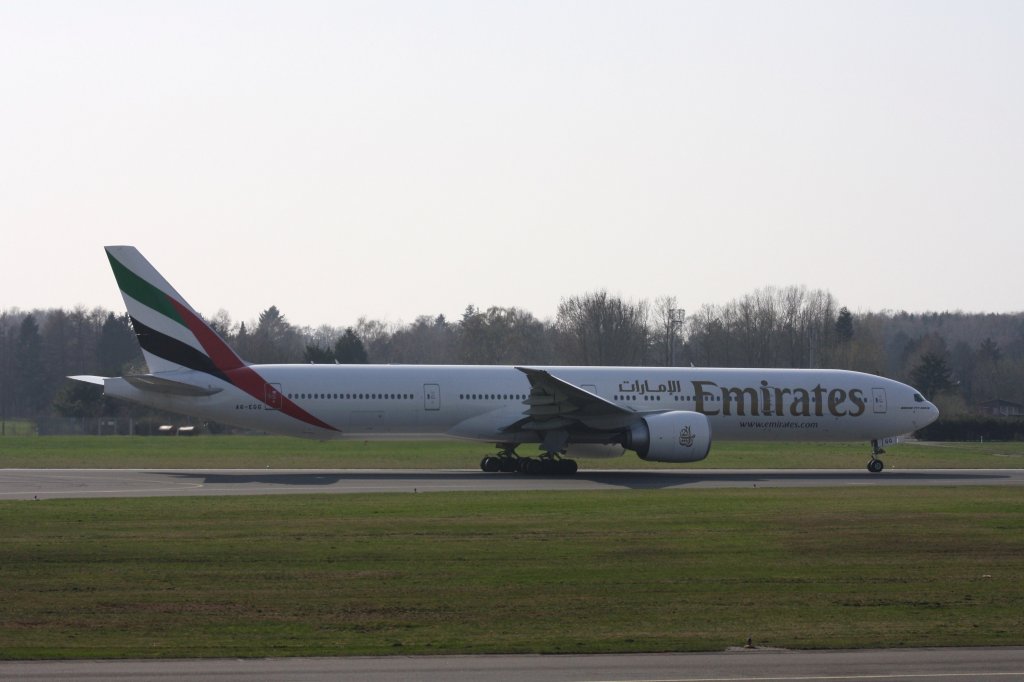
189 362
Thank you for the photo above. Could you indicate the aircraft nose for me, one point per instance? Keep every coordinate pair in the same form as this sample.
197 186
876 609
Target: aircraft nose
933 414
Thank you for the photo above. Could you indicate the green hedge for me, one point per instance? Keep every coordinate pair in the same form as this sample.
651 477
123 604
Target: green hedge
973 428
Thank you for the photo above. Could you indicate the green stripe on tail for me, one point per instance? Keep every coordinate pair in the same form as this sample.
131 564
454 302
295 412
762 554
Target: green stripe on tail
143 292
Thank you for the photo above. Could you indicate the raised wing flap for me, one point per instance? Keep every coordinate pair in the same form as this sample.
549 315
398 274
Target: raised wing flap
555 403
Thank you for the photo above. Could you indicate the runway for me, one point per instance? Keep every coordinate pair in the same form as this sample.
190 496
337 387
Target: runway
22 484
935 665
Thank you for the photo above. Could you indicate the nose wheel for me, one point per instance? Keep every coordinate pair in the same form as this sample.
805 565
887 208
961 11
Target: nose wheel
876 465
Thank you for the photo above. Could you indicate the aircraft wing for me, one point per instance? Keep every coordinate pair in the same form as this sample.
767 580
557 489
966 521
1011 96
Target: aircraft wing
556 404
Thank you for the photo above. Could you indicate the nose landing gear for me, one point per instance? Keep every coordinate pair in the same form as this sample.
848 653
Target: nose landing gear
876 465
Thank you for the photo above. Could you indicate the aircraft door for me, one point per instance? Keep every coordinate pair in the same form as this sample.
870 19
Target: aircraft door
272 396
878 399
431 397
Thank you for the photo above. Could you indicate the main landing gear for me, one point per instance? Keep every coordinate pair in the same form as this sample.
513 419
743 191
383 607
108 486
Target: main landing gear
876 465
507 461
503 462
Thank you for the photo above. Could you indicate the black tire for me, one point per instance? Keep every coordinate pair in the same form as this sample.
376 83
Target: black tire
508 465
567 467
490 464
875 466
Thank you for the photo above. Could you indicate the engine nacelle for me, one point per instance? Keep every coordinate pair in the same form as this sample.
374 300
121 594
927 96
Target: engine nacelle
671 437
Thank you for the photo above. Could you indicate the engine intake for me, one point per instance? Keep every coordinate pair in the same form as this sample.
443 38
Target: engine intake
671 437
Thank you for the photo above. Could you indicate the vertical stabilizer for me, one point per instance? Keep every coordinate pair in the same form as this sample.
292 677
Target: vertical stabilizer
172 334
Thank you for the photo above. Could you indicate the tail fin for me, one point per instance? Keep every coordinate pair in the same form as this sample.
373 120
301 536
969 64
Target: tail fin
173 336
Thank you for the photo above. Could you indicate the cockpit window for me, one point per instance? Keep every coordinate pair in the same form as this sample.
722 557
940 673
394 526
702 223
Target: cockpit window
918 398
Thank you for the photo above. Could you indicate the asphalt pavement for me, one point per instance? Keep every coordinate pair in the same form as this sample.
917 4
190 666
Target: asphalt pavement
934 665
20 484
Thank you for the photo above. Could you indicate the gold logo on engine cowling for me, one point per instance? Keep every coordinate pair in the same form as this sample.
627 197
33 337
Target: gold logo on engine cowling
686 437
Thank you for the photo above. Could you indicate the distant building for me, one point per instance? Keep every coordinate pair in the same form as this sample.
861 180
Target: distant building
1001 408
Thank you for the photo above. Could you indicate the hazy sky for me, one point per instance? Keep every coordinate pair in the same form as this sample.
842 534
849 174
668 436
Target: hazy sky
393 159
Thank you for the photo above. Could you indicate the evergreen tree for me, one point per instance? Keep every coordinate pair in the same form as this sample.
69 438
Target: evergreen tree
29 385
349 349
844 325
318 356
989 351
6 364
117 346
932 375
274 339
78 399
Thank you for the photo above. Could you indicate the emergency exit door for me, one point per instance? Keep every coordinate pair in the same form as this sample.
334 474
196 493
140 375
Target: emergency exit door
878 400
431 397
272 396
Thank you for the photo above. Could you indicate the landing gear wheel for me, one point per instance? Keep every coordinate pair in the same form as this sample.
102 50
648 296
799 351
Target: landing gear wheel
543 466
506 460
875 465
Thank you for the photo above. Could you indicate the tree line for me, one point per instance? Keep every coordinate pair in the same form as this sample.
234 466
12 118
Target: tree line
956 359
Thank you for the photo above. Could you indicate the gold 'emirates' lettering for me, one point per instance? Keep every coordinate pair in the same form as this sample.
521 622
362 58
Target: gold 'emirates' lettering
768 401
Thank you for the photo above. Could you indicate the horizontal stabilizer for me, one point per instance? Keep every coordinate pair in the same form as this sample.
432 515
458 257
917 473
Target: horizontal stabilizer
149 382
89 379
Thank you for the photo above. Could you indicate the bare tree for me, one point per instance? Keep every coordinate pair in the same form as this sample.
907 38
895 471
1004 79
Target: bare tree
599 329
376 337
668 321
501 336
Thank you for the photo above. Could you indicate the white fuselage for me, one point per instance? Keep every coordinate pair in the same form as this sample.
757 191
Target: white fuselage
479 402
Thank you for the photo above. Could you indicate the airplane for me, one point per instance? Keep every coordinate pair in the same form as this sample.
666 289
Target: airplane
663 414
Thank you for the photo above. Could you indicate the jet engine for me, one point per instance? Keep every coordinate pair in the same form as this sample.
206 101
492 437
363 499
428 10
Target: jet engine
670 437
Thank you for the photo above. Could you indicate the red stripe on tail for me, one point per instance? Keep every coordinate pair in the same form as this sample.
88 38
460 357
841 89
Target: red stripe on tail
241 375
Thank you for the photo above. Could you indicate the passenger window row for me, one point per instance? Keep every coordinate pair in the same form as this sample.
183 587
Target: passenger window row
351 396
491 396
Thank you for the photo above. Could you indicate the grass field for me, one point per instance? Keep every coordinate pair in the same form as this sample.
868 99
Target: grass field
516 572
281 452
17 428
